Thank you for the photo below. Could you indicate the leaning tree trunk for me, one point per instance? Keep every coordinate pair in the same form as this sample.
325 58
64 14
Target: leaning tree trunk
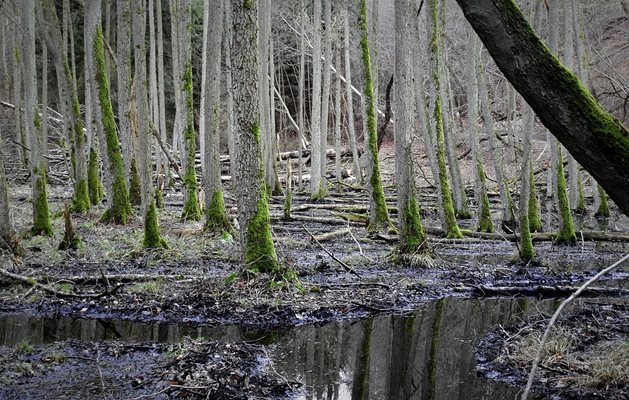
33 123
412 237
597 140
152 235
575 185
215 216
119 207
257 249
451 227
378 213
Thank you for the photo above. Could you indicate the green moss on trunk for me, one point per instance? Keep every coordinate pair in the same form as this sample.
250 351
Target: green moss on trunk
94 184
120 208
81 198
215 216
288 202
135 196
603 207
526 243
41 215
566 233
535 218
152 236
379 219
159 197
580 207
484 222
192 207
260 253
412 238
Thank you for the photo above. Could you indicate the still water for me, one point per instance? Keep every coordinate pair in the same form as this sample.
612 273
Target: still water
427 354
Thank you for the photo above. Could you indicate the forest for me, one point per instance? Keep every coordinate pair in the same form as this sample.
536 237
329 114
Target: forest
314 199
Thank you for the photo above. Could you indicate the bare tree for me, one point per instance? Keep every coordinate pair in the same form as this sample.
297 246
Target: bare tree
316 184
349 95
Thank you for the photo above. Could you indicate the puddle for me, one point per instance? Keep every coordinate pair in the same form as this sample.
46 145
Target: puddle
428 354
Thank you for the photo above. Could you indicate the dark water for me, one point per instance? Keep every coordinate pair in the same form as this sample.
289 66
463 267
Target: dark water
428 354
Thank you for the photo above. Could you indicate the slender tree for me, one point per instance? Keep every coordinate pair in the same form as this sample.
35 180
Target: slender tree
33 123
257 249
378 213
316 183
152 235
325 91
452 226
526 244
349 95
215 215
123 79
184 120
412 237
482 201
8 239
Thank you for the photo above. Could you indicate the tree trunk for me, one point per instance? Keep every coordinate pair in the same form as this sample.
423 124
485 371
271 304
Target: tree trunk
316 184
446 194
412 236
51 32
349 95
7 233
163 170
231 130
480 188
33 123
378 213
596 139
257 249
215 216
325 99
119 207
152 235
123 48
302 96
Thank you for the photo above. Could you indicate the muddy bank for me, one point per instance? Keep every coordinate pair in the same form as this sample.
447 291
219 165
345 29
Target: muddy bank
586 356
190 369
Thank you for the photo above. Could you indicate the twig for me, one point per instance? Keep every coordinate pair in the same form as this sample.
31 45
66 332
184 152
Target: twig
347 267
360 248
146 396
563 304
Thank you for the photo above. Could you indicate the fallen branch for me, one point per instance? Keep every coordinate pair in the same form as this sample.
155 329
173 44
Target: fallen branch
331 235
31 281
563 304
347 267
356 284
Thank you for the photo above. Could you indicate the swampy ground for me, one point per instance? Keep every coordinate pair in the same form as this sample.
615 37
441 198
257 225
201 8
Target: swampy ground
197 281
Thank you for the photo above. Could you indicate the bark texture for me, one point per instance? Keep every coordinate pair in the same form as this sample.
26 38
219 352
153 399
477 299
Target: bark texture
597 140
257 249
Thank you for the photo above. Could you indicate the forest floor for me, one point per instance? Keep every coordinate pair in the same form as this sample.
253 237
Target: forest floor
197 281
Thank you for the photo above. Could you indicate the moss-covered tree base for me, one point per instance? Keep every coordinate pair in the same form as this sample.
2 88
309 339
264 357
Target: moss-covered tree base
71 241
135 196
288 203
81 200
94 183
152 235
464 213
566 234
192 208
41 216
215 216
413 237
159 197
117 215
260 253
526 250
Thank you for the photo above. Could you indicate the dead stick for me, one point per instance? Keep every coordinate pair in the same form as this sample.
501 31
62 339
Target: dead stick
347 267
563 304
46 288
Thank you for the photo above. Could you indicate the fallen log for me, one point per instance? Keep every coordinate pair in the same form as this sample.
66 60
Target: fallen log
331 235
536 237
540 290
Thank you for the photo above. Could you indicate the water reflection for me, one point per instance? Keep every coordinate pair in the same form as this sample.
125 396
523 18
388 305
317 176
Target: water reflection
425 355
